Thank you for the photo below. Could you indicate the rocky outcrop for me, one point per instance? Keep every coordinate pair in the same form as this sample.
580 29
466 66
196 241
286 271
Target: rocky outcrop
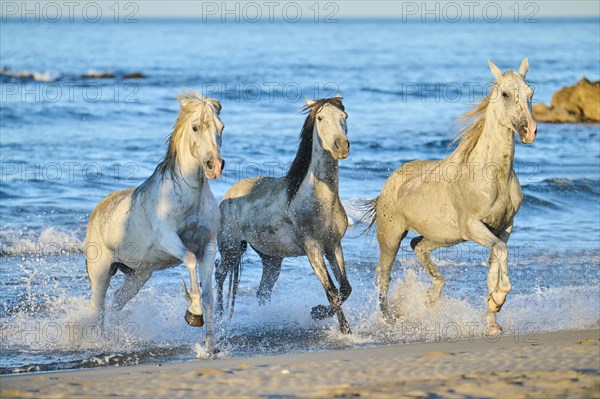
572 104
133 75
91 74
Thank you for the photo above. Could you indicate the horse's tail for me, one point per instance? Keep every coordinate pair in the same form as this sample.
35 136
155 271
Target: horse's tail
370 209
234 278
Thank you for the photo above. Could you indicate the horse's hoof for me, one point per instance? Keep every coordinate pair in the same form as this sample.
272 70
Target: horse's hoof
493 330
321 312
388 316
431 300
194 320
263 299
493 305
345 329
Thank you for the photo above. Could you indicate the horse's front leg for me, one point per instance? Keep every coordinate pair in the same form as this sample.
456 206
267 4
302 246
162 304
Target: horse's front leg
170 242
504 286
315 257
498 282
336 260
207 262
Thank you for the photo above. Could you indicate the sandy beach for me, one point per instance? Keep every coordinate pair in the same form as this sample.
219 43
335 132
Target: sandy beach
560 364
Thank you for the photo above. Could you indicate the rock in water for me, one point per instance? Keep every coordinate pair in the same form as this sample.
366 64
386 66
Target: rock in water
91 74
572 104
134 75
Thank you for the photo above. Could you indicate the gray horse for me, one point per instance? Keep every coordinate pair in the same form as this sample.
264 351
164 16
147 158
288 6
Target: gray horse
299 214
473 194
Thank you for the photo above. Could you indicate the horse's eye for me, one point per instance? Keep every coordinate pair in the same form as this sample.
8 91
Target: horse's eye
319 118
195 128
504 94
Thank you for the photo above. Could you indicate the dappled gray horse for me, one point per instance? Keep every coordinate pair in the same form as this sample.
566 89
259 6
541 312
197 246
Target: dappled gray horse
299 214
473 194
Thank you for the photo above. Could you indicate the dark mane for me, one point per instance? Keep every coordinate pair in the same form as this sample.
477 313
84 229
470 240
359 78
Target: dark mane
301 163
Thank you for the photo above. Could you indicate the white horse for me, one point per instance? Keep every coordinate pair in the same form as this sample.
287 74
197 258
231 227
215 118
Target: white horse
172 217
473 194
299 214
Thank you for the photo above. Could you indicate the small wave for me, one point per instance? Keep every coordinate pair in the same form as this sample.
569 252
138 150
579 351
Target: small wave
564 185
538 202
47 241
576 185
428 90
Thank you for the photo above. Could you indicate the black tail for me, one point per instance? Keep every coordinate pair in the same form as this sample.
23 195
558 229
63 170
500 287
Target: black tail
370 209
234 278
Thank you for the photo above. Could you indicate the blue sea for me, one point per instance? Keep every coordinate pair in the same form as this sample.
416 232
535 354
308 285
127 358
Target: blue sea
67 141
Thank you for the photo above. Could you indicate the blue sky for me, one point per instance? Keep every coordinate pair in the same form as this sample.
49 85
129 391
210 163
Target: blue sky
417 8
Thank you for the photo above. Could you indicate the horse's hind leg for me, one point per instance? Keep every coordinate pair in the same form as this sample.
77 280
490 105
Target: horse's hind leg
422 247
389 236
270 274
134 281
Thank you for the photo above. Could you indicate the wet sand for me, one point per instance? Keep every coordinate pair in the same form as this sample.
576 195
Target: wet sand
561 364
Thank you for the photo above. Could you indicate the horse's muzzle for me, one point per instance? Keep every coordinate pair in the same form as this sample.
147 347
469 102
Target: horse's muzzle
214 169
528 135
342 148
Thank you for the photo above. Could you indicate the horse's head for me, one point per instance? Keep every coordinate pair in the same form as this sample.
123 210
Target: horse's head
330 123
204 128
511 101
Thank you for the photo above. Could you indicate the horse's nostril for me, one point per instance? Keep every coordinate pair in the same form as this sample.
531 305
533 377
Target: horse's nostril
222 164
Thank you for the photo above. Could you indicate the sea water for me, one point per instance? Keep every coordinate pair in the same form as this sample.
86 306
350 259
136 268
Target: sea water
66 142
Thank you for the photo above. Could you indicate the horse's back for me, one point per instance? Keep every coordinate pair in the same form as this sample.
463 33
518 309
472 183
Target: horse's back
417 197
409 177
255 210
243 188
110 211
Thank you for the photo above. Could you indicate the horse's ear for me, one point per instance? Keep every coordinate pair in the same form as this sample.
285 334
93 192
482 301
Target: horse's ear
309 102
183 101
495 70
524 67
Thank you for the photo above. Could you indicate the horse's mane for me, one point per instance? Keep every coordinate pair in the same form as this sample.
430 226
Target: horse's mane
191 102
301 163
470 128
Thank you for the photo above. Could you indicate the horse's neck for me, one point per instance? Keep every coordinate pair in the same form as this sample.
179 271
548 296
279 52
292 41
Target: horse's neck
188 168
495 148
323 167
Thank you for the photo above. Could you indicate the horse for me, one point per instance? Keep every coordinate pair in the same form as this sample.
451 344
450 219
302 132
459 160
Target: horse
171 218
299 214
471 195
